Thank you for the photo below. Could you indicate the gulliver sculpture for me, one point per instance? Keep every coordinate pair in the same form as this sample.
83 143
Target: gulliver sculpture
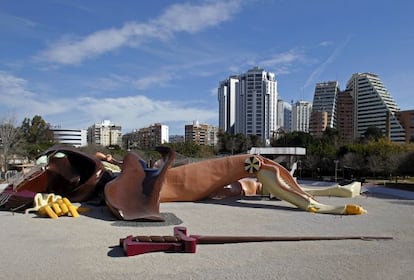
197 181
137 191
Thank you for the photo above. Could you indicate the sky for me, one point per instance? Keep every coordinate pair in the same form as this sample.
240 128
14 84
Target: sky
135 63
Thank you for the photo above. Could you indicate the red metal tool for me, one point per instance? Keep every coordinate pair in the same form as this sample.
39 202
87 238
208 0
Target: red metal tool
181 242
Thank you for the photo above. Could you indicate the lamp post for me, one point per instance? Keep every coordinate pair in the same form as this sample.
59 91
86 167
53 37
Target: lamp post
336 170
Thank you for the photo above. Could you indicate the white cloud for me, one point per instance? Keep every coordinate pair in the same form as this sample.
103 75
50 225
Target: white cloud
281 62
134 112
192 18
177 18
130 112
159 79
109 83
11 86
17 96
314 76
325 43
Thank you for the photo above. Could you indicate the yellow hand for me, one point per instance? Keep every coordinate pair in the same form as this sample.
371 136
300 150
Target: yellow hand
59 207
41 200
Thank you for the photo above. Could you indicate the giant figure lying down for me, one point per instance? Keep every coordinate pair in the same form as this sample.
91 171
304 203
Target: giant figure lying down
137 191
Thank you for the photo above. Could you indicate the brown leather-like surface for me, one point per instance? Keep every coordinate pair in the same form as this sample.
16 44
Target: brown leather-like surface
196 181
36 182
134 196
74 176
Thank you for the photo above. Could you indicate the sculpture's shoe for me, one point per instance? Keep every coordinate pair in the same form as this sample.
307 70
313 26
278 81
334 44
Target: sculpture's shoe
134 194
280 183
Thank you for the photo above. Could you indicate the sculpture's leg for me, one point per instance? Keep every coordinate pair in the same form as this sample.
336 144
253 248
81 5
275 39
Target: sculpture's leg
351 190
200 180
278 181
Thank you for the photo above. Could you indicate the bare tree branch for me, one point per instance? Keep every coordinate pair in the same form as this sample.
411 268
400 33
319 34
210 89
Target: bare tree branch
8 137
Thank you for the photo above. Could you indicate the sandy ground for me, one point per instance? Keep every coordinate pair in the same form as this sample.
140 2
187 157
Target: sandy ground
86 247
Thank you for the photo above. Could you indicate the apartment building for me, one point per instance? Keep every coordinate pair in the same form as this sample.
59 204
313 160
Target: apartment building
345 116
374 107
323 107
227 93
201 134
301 111
105 133
153 135
248 103
406 119
284 115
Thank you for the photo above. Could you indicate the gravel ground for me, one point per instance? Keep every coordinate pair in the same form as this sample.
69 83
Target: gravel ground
86 247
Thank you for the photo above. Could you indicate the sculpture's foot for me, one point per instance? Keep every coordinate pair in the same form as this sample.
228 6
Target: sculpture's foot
348 209
281 184
352 209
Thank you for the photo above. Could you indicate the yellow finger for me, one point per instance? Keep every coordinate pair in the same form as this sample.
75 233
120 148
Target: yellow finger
63 206
72 209
56 208
50 212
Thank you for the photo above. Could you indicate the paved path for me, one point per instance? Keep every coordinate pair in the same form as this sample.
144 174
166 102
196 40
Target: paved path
87 247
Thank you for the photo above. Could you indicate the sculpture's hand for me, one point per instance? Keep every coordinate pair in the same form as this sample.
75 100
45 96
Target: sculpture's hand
53 206
58 208
42 199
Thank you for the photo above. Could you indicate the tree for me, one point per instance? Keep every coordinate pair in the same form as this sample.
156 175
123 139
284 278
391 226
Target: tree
406 166
373 133
330 136
37 135
293 139
8 138
236 144
375 164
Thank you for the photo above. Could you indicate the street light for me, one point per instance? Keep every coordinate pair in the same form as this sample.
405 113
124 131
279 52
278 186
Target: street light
336 170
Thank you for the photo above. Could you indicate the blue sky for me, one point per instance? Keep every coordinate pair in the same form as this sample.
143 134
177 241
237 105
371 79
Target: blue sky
77 62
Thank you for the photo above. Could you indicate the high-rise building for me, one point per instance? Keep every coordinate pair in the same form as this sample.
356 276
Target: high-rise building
374 107
301 111
318 122
227 92
406 119
345 116
324 107
201 134
254 106
284 115
74 137
105 134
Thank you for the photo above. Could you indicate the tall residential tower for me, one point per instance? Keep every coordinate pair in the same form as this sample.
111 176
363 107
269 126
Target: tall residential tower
251 98
301 111
227 104
324 107
374 107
